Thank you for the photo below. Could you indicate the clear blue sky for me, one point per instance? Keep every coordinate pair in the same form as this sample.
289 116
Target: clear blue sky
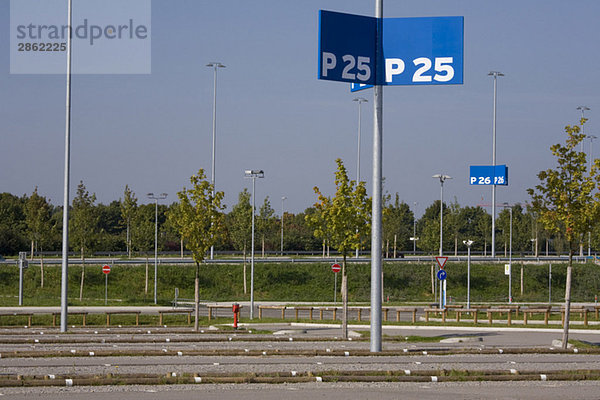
153 131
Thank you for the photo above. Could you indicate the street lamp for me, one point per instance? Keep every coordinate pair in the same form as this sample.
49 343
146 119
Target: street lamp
253 174
442 178
283 198
215 65
591 137
583 109
495 74
359 100
156 198
468 243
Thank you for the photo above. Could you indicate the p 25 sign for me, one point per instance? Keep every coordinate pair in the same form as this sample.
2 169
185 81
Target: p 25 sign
416 51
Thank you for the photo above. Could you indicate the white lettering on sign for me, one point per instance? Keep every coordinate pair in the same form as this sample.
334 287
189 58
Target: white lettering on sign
393 66
354 67
329 62
359 68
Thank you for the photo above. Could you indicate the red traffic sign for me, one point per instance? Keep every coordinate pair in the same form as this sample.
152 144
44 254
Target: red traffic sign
106 269
336 268
441 261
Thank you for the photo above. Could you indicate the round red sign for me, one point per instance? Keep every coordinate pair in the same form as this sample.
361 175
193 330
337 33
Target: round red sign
106 269
336 268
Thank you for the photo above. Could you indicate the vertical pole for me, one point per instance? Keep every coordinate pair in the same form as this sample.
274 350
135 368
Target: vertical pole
214 143
494 165
335 289
252 254
105 289
510 261
155 249
65 236
469 276
376 283
20 262
282 200
360 100
441 233
549 283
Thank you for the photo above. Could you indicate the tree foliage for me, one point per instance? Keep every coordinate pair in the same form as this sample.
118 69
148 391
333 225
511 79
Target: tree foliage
564 200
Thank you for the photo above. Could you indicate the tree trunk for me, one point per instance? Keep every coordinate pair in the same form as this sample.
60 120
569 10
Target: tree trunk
263 246
245 284
181 247
197 297
323 249
344 300
387 248
395 253
565 337
455 246
41 268
31 258
128 241
82 276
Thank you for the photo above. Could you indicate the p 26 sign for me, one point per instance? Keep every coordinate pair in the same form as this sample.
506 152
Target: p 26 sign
488 175
416 51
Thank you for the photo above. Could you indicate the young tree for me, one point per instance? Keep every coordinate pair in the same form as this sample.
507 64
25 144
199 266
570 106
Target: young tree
346 217
266 223
397 225
38 217
241 225
128 208
564 201
84 223
200 218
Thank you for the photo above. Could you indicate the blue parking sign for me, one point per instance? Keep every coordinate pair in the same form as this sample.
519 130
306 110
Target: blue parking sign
415 51
347 47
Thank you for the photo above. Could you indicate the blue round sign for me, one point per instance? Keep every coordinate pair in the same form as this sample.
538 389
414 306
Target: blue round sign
441 274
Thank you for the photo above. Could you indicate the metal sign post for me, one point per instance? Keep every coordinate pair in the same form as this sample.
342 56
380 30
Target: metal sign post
106 271
22 263
394 51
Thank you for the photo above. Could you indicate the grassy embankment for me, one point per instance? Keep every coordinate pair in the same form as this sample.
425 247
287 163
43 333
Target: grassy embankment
296 282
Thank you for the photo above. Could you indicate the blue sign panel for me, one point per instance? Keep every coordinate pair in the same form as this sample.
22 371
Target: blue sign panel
347 47
488 175
441 274
423 51
416 51
355 87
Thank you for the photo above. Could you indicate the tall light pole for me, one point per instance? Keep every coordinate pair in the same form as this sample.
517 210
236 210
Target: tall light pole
415 229
65 234
510 210
283 198
583 109
215 66
442 178
468 243
376 226
495 74
253 174
591 137
359 100
156 198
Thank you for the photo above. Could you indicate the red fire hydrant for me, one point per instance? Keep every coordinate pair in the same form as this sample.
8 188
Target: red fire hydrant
236 311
